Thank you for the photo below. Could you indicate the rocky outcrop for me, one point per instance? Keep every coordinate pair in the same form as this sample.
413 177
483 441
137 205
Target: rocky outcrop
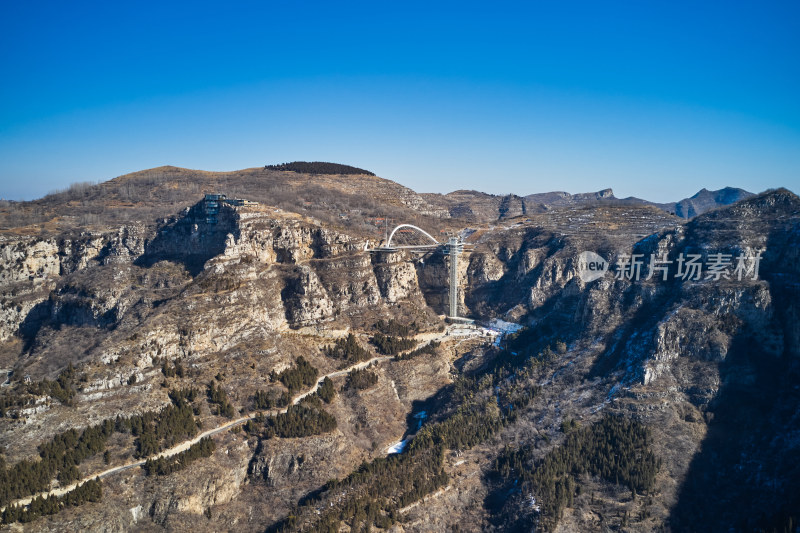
484 268
305 299
29 270
511 206
705 326
208 484
349 281
31 267
28 260
256 270
703 318
396 276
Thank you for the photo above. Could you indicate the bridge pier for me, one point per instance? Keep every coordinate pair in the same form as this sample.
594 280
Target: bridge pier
454 248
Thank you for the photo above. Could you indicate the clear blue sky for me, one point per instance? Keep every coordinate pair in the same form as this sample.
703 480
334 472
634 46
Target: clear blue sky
653 99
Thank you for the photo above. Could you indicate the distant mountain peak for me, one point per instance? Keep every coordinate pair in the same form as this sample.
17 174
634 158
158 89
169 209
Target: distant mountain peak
705 200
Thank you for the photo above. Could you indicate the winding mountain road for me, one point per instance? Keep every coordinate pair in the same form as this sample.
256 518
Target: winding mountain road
183 446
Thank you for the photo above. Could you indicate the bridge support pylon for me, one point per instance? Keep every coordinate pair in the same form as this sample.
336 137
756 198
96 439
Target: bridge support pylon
454 249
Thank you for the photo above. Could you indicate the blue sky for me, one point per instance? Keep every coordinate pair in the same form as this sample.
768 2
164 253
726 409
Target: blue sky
653 99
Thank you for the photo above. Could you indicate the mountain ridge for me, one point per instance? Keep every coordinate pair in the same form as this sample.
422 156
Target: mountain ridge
253 304
159 191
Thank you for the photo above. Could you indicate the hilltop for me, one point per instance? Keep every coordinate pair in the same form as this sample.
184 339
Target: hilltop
351 200
319 167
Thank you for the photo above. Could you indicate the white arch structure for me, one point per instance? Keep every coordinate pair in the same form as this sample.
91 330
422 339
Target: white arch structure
428 235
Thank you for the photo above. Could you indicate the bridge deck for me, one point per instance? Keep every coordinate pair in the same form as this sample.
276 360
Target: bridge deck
406 247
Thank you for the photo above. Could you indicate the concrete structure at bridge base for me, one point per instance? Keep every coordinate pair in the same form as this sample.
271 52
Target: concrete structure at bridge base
458 320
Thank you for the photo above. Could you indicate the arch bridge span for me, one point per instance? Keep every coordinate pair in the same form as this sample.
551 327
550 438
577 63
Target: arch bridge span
428 235
453 248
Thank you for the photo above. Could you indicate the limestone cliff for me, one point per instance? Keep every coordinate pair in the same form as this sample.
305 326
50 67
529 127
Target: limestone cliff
237 298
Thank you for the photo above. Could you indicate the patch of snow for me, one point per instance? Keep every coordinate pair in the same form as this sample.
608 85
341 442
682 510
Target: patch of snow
504 327
397 447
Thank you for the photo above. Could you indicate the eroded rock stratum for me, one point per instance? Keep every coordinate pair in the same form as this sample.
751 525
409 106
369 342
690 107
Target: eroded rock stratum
122 322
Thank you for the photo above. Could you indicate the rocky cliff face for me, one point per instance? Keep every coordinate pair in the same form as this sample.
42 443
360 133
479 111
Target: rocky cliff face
396 276
31 267
249 270
699 361
239 297
531 273
472 206
283 271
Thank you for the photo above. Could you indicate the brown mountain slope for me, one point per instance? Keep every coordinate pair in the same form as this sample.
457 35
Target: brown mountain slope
352 201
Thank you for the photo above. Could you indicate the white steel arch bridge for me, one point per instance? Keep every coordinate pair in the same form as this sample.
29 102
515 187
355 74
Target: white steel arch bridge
453 247
428 235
